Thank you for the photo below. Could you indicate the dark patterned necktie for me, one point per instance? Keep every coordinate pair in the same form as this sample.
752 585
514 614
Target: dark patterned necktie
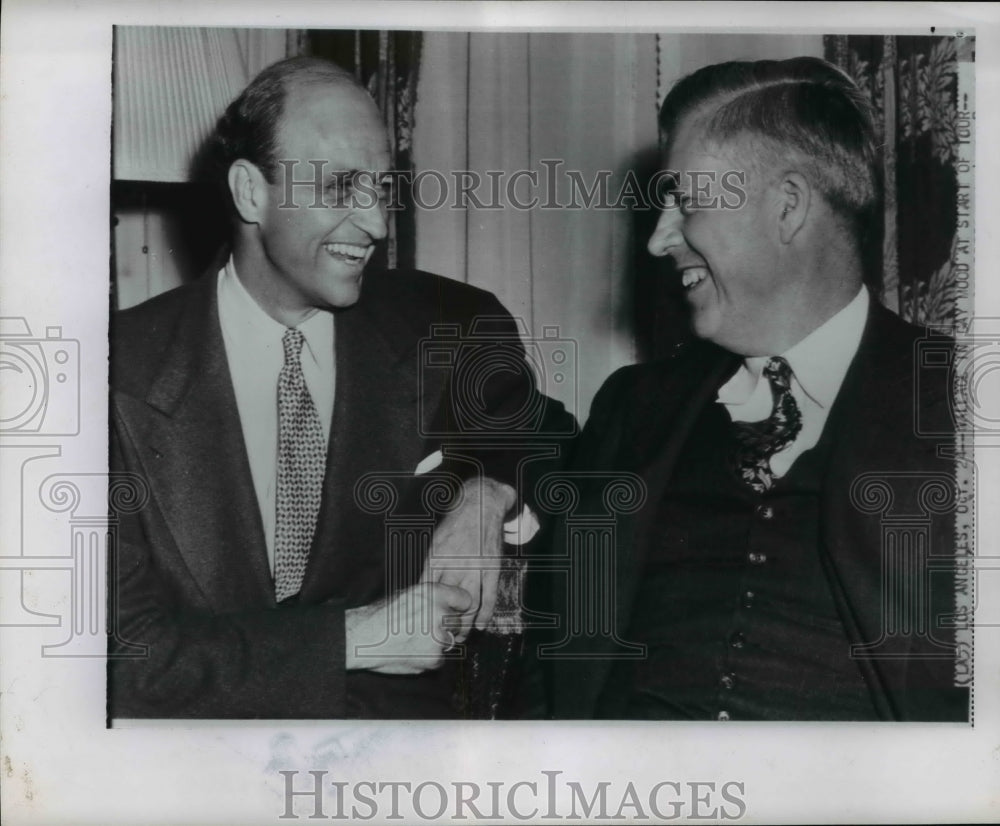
757 442
301 464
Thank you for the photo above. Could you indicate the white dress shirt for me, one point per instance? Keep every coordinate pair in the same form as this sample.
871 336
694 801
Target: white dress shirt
819 363
255 354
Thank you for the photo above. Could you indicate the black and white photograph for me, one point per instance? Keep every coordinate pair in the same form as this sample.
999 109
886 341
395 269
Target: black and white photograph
460 412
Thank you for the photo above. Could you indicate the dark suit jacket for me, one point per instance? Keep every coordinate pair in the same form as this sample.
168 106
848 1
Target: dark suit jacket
192 581
639 422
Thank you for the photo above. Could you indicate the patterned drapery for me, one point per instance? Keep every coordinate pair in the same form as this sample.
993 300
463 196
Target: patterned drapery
922 88
386 62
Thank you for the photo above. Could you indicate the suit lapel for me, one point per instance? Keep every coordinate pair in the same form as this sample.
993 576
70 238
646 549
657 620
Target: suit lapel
871 416
655 424
661 427
198 467
376 422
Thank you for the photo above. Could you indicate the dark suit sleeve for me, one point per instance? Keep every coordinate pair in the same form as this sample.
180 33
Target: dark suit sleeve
606 407
167 659
494 411
535 700
494 421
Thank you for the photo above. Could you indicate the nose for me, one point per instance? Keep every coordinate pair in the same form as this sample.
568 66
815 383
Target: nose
370 217
667 234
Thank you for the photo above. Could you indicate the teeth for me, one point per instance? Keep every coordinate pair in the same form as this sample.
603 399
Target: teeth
349 250
691 277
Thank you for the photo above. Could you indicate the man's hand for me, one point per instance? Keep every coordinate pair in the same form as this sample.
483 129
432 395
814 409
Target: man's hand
467 546
408 633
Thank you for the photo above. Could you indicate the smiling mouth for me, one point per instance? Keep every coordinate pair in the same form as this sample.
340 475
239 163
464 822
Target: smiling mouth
350 253
692 277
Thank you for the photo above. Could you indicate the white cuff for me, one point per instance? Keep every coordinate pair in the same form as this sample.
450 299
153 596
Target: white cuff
428 463
521 529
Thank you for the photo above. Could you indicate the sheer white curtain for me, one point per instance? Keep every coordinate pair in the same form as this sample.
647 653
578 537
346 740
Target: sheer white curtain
509 101
170 86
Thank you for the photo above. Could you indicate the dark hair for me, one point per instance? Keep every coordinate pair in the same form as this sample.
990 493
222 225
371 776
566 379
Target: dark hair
248 129
805 105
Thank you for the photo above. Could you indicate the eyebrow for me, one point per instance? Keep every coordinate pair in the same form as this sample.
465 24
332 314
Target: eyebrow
345 174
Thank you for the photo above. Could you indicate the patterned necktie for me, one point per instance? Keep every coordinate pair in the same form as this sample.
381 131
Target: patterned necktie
301 465
757 442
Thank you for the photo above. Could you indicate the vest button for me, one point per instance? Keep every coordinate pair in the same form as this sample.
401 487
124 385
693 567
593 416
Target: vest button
765 512
757 558
722 715
737 640
728 681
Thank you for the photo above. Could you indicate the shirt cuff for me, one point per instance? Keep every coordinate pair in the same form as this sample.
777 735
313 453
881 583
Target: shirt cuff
522 528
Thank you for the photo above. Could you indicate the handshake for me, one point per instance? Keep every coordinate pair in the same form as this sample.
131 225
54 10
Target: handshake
411 631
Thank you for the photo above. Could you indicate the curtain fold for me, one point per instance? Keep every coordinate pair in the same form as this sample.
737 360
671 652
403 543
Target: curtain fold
548 115
170 86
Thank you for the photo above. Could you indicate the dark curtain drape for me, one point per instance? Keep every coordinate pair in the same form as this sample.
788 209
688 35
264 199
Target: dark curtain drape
387 64
922 90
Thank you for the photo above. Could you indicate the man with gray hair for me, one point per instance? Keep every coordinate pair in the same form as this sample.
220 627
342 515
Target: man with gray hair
756 582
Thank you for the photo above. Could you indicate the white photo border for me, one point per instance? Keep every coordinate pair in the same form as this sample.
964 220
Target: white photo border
60 763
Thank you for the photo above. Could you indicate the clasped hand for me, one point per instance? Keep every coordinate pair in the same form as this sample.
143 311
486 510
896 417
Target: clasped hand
411 631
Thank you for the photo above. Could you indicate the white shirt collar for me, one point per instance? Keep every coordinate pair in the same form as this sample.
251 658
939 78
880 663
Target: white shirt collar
238 306
819 362
248 321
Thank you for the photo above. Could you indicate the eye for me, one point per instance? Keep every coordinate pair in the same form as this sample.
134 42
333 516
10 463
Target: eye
374 184
671 195
338 190
368 189
666 192
679 199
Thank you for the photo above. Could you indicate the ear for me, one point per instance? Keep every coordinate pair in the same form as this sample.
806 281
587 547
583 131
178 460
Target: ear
794 202
249 190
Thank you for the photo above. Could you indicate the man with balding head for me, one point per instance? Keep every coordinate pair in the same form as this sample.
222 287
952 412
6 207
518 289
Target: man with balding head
256 401
755 582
